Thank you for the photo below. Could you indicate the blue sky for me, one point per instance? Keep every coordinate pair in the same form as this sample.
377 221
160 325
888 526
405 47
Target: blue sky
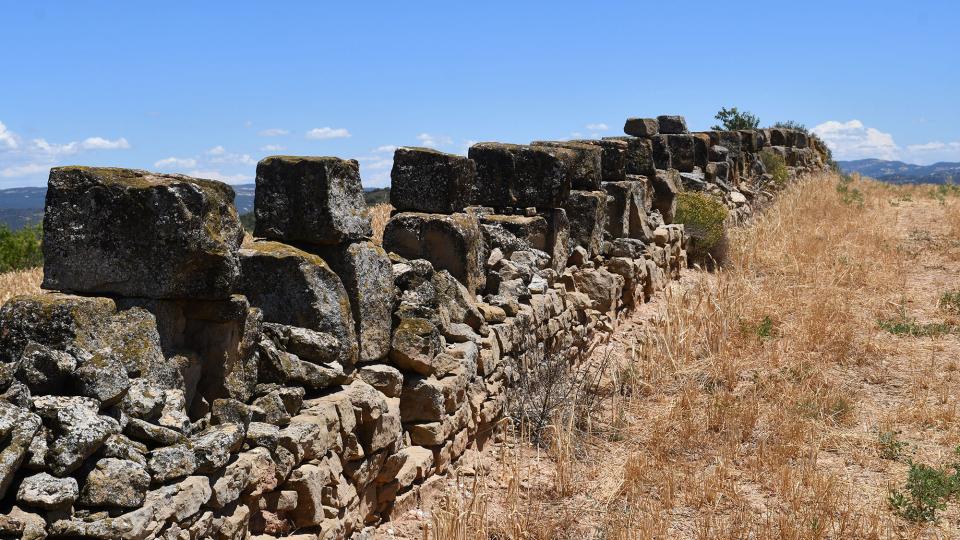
210 88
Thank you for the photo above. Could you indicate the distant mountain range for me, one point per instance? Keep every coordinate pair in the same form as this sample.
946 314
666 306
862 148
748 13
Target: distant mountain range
898 172
23 206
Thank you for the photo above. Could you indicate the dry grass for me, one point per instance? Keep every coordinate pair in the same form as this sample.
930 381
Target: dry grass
380 215
750 403
20 282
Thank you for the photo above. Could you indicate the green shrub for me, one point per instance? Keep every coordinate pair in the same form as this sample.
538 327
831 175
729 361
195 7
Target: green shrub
889 446
848 193
733 119
775 165
249 221
926 492
790 124
20 249
703 219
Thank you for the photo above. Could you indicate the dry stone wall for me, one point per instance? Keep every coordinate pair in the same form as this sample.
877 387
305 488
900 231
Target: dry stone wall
181 381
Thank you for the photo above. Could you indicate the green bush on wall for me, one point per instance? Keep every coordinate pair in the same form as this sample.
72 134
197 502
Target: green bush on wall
703 218
20 249
774 164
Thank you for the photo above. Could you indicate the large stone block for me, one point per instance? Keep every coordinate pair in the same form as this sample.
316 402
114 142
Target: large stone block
310 200
682 152
512 233
639 157
641 127
558 237
513 175
587 163
748 140
662 158
367 274
136 233
777 137
450 242
671 124
701 149
626 213
665 193
425 180
613 158
587 213
297 288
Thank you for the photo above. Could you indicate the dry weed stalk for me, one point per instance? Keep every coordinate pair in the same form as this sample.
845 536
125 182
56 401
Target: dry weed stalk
20 282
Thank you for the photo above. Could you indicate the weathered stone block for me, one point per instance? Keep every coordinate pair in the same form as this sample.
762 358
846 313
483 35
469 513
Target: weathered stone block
296 288
587 212
310 200
613 157
450 242
513 175
701 149
558 237
665 193
748 140
512 233
682 152
626 213
671 124
642 127
586 165
639 157
367 275
17 429
425 180
135 233
777 137
661 152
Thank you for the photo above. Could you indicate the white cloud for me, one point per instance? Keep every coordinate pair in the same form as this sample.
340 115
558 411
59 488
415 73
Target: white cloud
175 163
90 143
434 141
99 143
853 140
217 151
387 148
375 163
272 148
217 175
23 170
600 126
273 132
7 137
328 133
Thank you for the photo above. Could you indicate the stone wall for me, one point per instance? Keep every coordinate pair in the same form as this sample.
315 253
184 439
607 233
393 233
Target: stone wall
182 381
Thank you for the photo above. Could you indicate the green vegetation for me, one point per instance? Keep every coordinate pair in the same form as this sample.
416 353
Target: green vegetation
733 119
249 221
927 491
20 249
889 447
848 193
950 302
790 124
775 165
703 219
901 325
377 196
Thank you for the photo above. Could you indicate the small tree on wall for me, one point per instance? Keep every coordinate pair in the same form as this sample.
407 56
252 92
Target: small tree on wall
733 119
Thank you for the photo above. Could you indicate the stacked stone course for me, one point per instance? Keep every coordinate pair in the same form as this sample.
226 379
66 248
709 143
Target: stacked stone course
182 381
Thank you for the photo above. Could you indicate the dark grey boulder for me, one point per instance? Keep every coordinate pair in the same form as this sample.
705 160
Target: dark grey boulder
682 152
140 234
367 275
672 124
449 242
513 175
639 156
426 180
587 212
296 288
626 215
310 200
641 127
76 430
586 166
612 157
662 158
115 483
665 193
48 492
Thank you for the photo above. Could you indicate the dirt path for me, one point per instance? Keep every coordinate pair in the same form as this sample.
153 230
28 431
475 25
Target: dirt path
782 399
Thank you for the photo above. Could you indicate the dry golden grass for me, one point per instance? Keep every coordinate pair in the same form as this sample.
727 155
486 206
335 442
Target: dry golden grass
749 403
20 282
380 215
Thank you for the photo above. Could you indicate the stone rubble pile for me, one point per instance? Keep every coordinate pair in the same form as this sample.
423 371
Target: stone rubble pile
182 381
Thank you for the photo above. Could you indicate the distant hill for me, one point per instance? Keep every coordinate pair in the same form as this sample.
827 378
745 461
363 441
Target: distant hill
24 206
898 172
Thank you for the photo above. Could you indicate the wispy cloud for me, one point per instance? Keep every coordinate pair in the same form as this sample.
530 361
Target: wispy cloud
387 148
175 163
853 140
272 148
7 137
600 126
273 132
219 176
23 170
90 143
434 141
328 133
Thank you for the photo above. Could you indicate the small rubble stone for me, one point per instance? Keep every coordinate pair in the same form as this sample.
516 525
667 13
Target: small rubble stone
48 492
386 379
77 430
310 200
116 483
172 462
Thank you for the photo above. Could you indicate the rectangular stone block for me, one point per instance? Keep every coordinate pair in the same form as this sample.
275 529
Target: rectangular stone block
672 124
310 200
748 140
682 152
135 233
425 180
665 193
641 127
558 237
512 233
701 149
778 137
586 167
613 158
625 208
513 175
800 140
450 242
639 155
587 213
